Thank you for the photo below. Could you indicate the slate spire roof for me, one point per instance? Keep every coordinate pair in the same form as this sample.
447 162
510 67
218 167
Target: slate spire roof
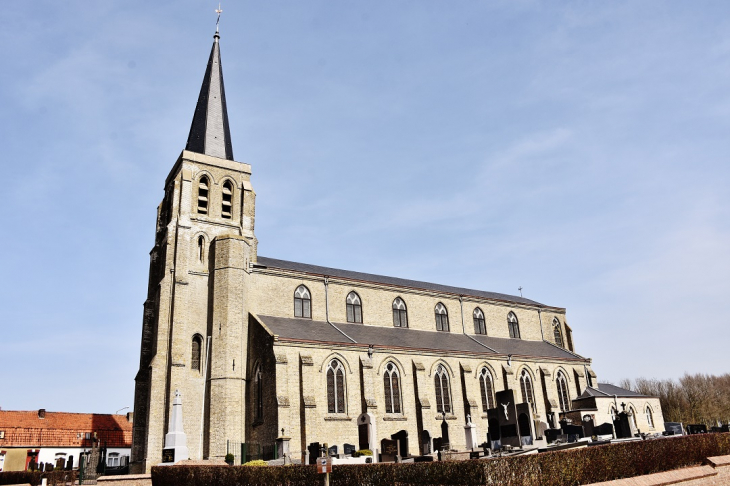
209 132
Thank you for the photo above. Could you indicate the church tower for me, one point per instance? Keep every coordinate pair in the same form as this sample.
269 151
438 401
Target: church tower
194 331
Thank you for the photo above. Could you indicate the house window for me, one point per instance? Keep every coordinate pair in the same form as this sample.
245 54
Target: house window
557 334
258 395
487 386
562 385
113 459
442 317
526 387
443 392
302 302
391 384
197 347
2 434
649 417
514 326
400 315
354 308
227 200
335 387
480 327
203 186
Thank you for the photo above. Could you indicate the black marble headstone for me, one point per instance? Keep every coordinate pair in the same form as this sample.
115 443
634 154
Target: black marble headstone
603 429
697 429
332 451
402 437
507 416
388 450
437 444
348 449
426 442
313 449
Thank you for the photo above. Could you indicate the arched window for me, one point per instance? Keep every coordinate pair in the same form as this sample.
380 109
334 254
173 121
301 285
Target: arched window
354 308
526 386
400 315
302 302
196 348
514 326
562 385
391 383
201 249
258 395
203 186
487 386
443 392
227 200
649 417
557 334
335 387
480 326
442 317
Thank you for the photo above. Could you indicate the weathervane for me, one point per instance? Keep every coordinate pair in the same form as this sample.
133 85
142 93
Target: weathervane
218 11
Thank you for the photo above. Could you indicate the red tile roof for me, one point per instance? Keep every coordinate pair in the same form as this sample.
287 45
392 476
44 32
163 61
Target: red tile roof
61 429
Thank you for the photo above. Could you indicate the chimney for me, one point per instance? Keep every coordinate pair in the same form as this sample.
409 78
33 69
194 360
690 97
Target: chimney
130 416
42 413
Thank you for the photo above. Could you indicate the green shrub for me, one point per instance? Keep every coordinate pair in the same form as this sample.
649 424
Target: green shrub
559 468
257 462
34 478
362 452
230 458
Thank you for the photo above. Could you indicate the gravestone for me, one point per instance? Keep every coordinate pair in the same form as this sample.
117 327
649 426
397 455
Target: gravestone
314 451
332 451
470 434
366 432
507 416
623 426
348 449
402 437
70 463
603 429
423 459
493 437
525 424
175 439
388 450
445 442
588 427
697 429
437 445
552 435
425 442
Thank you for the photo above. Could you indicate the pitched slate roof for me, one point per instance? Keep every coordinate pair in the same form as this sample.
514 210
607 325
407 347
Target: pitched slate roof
606 390
381 279
209 132
307 330
62 429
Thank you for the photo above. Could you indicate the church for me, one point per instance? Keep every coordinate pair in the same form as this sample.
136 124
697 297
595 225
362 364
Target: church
272 357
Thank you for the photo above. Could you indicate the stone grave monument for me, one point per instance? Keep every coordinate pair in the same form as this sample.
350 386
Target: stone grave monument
176 448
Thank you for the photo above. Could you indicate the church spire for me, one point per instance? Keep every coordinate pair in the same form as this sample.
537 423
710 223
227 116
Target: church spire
209 132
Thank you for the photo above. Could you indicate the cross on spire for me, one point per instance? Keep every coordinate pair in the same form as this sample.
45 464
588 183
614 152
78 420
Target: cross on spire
219 10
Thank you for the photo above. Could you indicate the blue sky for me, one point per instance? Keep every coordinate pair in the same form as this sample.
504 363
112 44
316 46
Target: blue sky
576 149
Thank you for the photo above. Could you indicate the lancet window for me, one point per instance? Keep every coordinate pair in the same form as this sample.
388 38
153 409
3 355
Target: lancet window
335 387
526 387
487 386
391 384
514 325
302 302
354 307
400 313
562 385
480 327
227 200
203 189
443 391
442 317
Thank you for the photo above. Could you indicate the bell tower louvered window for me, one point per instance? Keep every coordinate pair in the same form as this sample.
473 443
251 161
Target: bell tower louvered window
557 333
514 325
354 308
227 200
443 392
442 317
335 387
400 314
480 327
302 302
203 189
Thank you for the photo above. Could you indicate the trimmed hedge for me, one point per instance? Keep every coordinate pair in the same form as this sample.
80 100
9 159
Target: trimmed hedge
54 478
571 467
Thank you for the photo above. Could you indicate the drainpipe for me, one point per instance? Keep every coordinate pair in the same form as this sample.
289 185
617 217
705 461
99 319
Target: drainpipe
461 303
327 309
